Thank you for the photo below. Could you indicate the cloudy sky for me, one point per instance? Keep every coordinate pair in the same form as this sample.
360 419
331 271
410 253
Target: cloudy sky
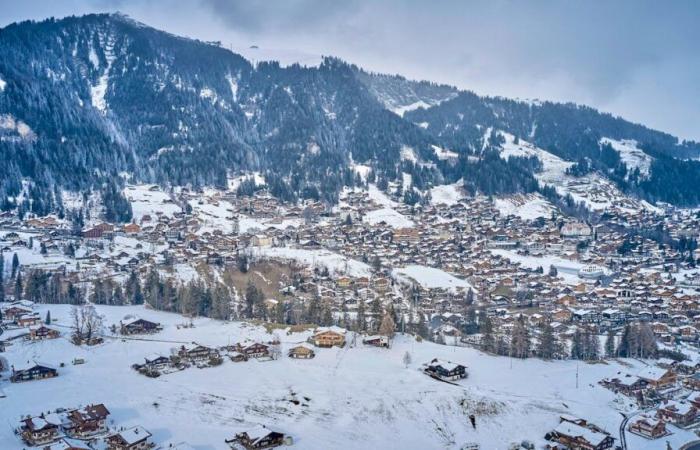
636 58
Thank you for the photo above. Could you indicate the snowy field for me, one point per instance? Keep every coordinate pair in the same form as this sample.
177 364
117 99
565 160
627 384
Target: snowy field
567 269
352 398
430 277
149 200
316 258
527 207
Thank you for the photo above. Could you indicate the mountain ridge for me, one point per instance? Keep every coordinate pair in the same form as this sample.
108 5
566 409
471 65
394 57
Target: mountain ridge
100 95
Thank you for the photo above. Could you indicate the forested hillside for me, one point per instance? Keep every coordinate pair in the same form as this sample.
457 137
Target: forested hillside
89 102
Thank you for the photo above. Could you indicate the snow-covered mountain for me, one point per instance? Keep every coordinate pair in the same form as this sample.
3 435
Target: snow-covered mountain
86 100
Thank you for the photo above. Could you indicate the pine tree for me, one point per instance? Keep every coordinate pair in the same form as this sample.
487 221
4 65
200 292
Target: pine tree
577 345
610 344
18 286
15 265
488 343
361 321
47 321
547 344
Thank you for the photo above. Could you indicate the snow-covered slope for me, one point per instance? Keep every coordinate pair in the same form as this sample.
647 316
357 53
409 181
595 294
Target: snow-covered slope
352 398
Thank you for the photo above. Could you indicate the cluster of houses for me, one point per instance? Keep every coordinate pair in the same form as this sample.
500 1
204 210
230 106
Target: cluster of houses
669 392
80 429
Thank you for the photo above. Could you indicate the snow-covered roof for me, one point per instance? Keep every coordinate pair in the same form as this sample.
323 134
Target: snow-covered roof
573 430
134 435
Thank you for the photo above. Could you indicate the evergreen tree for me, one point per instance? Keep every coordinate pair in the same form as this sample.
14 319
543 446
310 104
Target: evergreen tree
15 265
488 343
610 344
547 345
47 321
18 286
361 320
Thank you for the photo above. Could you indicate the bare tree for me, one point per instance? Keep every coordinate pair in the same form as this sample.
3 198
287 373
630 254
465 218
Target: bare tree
86 322
387 327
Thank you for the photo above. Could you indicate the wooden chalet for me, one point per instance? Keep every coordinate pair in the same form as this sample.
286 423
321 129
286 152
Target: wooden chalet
301 351
648 427
135 438
139 326
35 372
445 370
580 437
658 377
87 421
38 431
13 312
199 353
678 413
329 336
255 350
28 320
257 438
41 332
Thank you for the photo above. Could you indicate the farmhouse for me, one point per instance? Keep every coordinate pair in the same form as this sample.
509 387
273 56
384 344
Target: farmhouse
256 350
445 370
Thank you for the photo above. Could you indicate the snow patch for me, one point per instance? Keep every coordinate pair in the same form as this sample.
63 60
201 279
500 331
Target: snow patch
430 277
527 207
401 110
633 156
408 154
448 194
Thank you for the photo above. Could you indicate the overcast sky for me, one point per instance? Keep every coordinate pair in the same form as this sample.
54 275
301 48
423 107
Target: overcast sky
636 58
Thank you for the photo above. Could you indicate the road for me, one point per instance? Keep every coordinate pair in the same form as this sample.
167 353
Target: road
623 425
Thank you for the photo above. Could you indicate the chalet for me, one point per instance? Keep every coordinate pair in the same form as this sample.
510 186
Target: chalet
28 320
301 351
677 413
329 336
135 438
68 444
139 326
628 385
87 421
445 370
658 377
257 438
256 350
156 362
579 437
199 353
376 341
131 229
13 312
35 372
648 427
41 332
38 431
